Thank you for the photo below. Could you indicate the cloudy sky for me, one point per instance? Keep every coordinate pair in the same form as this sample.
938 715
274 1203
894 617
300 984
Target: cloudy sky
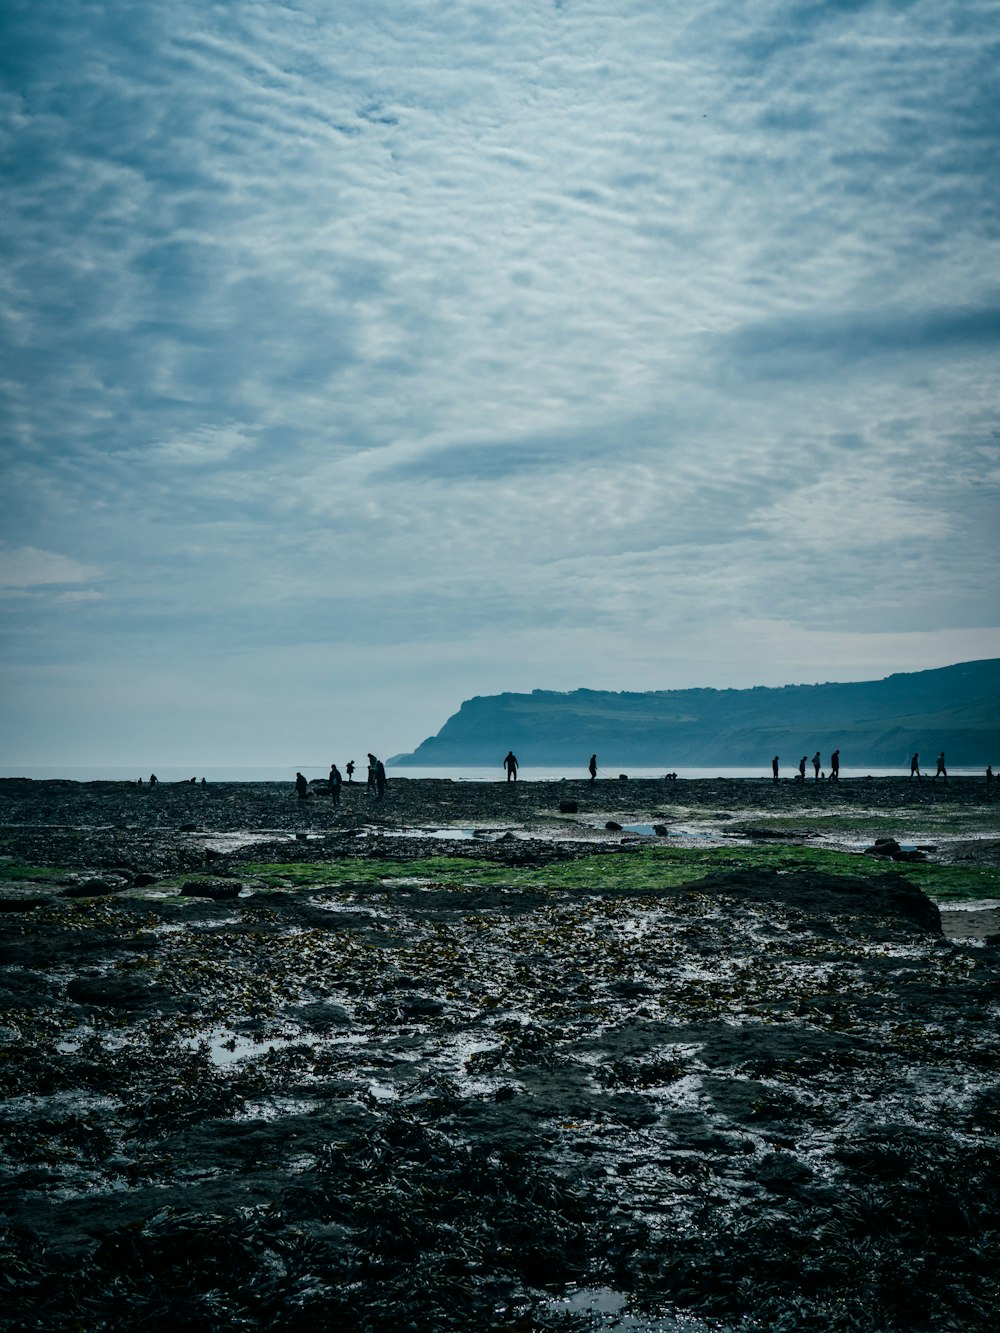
361 356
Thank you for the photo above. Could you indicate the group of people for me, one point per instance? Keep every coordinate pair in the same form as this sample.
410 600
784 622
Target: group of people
335 781
377 779
817 764
941 771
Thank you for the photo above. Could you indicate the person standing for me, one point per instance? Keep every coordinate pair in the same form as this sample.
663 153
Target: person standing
336 782
592 768
350 772
942 772
835 766
372 761
802 769
915 765
301 786
774 769
817 763
379 778
510 764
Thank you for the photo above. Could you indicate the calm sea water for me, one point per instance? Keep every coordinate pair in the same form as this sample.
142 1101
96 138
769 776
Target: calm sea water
551 773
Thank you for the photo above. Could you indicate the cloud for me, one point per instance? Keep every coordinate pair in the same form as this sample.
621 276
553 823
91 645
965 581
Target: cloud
28 567
420 326
208 446
826 343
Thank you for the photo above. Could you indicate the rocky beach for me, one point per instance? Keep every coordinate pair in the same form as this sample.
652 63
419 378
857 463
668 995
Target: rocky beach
665 1055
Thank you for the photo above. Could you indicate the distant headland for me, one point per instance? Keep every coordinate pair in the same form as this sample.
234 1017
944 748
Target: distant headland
881 722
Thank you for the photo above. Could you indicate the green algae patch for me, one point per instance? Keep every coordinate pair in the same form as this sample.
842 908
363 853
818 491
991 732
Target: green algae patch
15 871
636 871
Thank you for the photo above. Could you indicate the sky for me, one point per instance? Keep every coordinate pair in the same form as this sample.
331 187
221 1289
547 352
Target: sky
360 357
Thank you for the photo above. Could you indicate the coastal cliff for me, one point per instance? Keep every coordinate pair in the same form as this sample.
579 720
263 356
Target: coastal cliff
882 722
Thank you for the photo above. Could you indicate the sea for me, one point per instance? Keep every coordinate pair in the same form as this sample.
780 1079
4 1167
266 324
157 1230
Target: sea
541 773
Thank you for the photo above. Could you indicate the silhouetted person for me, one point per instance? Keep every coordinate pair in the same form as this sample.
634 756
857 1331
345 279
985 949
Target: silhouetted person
942 772
194 782
204 783
802 769
379 778
817 762
592 768
915 765
336 781
301 786
372 761
774 769
153 779
350 771
835 766
510 764
989 775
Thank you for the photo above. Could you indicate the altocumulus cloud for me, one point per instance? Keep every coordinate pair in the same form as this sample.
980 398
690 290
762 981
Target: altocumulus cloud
403 330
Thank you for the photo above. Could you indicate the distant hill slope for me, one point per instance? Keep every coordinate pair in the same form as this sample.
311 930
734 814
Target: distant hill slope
881 722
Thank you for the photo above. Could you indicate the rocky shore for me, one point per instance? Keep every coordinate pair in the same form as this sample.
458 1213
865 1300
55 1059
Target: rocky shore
468 1058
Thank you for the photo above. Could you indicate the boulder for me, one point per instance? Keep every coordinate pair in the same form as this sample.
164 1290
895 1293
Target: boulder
94 888
211 888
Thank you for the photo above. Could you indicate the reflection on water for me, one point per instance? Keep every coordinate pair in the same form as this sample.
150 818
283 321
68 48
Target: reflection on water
608 1309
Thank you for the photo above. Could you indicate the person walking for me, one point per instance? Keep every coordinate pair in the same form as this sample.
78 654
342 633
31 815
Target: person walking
835 766
774 769
592 768
802 769
942 772
915 766
510 764
817 764
350 772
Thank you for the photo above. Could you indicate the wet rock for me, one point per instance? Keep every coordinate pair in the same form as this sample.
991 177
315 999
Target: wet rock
421 1006
94 888
127 993
143 879
216 889
21 989
188 828
887 847
890 850
781 1173
661 830
568 807
630 989
613 826
322 1016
